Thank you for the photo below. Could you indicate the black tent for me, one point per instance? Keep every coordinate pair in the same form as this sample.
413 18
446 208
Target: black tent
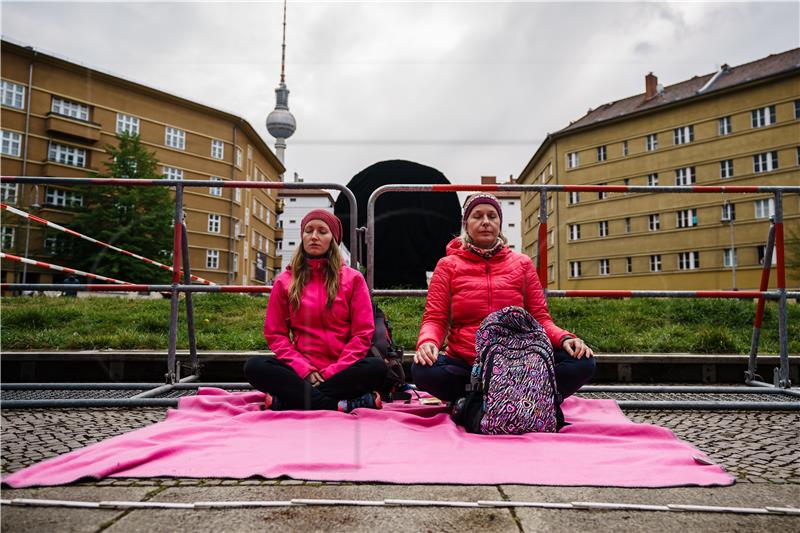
412 228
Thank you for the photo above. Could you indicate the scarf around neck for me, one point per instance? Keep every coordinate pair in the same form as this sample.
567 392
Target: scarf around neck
485 253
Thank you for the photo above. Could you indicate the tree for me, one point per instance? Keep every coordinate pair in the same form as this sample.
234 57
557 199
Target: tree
137 219
792 253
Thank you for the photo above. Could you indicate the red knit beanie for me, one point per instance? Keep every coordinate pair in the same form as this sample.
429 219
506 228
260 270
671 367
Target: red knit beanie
481 198
328 218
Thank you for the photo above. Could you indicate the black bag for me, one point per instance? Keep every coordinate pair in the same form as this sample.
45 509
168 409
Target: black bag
392 355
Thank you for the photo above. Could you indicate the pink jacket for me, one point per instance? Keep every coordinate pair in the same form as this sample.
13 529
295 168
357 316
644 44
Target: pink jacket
322 339
465 288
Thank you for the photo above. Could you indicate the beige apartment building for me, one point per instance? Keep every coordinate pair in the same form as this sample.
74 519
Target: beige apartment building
58 116
738 126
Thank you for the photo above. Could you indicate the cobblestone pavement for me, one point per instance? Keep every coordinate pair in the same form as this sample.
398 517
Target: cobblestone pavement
754 446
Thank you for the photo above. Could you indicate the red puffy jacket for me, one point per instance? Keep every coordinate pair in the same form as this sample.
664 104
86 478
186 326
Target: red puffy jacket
465 288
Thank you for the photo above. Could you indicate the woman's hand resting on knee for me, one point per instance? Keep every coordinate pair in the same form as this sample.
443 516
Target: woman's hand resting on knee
427 354
577 348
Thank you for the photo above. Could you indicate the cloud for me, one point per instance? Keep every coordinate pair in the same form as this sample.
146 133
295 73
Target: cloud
469 88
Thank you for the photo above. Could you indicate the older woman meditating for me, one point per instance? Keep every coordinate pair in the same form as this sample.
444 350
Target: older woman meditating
480 275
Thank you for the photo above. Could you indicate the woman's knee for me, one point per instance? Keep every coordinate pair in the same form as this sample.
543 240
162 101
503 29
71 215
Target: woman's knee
255 365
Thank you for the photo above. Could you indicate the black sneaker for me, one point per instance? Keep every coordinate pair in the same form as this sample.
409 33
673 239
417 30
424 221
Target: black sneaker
370 400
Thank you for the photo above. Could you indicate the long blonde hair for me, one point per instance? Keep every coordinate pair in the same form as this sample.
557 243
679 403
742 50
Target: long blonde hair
301 273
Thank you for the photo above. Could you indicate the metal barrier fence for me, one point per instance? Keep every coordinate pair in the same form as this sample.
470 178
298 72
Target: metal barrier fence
775 239
181 266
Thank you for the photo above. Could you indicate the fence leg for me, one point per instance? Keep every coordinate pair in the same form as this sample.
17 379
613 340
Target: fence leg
781 375
187 280
750 375
172 375
541 260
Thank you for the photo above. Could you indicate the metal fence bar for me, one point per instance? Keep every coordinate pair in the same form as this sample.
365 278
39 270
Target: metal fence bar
177 248
708 405
751 374
204 183
187 280
781 374
676 389
741 295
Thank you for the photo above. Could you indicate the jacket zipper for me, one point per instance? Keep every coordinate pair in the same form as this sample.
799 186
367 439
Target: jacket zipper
489 285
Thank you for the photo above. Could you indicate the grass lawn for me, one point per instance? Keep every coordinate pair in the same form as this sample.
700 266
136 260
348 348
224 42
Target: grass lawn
234 322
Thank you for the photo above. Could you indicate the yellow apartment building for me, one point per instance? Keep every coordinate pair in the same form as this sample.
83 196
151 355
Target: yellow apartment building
58 116
737 126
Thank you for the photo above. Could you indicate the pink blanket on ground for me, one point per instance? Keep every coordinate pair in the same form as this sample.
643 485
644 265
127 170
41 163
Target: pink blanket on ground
221 434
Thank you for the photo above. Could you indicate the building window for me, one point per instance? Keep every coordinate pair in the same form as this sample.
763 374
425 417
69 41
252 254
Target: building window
726 168
8 237
728 212
212 259
624 148
652 179
603 228
8 192
13 95
572 160
627 225
127 124
689 260
797 109
654 222
724 126
602 195
175 138
765 162
729 257
574 197
235 263
215 191
602 153
551 238
214 223
50 245
655 263
575 269
628 265
238 157
765 208
651 142
762 251
172 173
70 109
269 218
687 218
683 135
217 149
763 116
574 232
67 155
685 176
604 268
12 143
62 198
551 273
237 195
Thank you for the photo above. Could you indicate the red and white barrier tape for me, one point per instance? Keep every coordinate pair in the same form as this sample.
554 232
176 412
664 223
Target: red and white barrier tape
58 227
59 268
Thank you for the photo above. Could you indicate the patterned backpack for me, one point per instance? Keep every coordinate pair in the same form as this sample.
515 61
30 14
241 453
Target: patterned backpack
513 388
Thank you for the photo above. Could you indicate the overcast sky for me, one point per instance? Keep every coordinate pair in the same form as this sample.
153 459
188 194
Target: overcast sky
468 88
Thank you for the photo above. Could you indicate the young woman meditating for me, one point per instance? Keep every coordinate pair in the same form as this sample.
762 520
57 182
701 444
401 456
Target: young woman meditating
319 324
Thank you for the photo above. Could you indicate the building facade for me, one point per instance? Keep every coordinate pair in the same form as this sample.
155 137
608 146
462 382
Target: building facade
58 117
738 126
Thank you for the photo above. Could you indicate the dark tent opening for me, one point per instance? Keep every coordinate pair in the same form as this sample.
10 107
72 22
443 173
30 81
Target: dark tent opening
411 228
